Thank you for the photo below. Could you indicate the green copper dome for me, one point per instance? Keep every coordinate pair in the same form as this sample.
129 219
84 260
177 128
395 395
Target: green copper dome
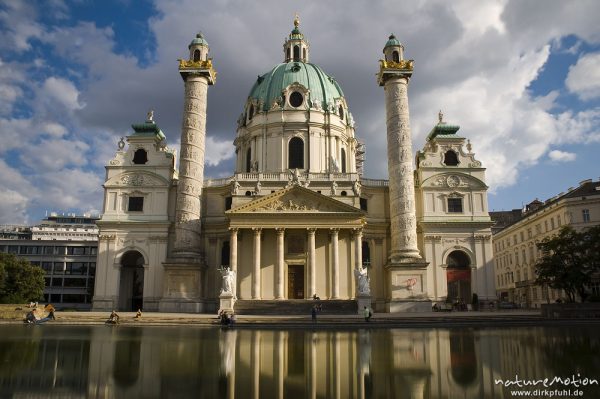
269 87
392 41
199 39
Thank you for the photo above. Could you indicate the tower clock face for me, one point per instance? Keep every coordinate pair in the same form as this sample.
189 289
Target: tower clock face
453 181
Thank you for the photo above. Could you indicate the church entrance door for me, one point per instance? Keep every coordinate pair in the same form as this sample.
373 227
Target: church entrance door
296 282
131 289
458 275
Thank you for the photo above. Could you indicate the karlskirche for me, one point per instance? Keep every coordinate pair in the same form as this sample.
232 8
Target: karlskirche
296 220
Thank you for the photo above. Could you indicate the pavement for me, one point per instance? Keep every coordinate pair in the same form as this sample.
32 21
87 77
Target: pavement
497 318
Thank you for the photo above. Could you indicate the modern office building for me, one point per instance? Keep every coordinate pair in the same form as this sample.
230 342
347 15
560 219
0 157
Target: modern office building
66 248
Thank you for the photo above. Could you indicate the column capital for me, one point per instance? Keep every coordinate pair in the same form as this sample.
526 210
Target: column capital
334 230
257 230
234 229
280 230
357 231
311 230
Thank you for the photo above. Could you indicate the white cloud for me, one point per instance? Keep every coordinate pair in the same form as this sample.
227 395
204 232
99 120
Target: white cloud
475 61
218 151
561 156
584 77
62 91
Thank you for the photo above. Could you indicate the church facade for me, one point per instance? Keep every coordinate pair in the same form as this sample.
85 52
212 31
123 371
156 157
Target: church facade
296 219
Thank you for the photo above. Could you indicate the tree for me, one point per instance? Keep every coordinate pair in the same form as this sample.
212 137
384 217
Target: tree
569 261
20 281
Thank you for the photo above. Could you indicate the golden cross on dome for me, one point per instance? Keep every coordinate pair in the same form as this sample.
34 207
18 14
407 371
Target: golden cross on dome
297 20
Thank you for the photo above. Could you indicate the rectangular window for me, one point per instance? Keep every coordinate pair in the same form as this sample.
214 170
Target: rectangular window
75 282
13 249
517 258
552 223
59 267
93 250
559 221
77 268
363 204
545 225
522 234
73 298
76 250
228 203
48 250
47 267
538 229
136 204
455 205
515 239
586 215
529 233
523 256
57 282
92 268
59 250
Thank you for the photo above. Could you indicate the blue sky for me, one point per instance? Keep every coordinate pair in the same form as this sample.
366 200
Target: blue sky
522 79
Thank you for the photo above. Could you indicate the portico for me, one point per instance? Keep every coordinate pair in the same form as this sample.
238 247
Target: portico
295 243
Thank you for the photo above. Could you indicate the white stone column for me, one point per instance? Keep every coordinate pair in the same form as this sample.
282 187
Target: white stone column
191 164
233 251
279 273
358 249
335 265
312 262
256 270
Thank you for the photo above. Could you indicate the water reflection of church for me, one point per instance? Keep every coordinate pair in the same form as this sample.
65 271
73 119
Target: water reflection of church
297 217
97 362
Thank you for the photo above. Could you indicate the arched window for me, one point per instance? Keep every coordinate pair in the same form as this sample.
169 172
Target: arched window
296 154
140 157
251 112
196 55
450 158
341 112
289 53
225 254
343 161
296 53
249 160
366 254
395 56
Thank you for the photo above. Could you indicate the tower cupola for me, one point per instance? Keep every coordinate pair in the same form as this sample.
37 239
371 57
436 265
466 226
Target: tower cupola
295 48
393 50
198 48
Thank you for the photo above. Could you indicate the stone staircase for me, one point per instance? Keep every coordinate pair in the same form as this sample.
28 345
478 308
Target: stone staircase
294 307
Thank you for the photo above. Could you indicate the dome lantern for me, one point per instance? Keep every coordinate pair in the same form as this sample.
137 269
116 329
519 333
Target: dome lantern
295 48
198 48
393 50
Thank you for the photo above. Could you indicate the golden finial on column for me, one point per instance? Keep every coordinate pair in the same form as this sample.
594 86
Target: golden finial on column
297 20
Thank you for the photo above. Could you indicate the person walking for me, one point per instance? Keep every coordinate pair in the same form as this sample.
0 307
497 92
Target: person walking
368 314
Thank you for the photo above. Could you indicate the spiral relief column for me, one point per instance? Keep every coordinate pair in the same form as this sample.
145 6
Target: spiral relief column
406 268
183 269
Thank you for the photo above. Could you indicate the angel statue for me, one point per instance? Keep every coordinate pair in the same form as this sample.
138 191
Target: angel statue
228 280
363 281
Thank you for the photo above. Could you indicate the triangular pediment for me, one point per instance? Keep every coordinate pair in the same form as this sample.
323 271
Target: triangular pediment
296 199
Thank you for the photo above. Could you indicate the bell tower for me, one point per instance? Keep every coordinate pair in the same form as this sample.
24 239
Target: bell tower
406 269
185 265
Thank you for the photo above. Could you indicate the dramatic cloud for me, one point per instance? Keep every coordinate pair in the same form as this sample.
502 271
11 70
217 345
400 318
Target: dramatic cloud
476 61
561 156
584 77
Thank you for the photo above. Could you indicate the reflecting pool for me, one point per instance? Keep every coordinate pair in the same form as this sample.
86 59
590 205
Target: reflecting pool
190 361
